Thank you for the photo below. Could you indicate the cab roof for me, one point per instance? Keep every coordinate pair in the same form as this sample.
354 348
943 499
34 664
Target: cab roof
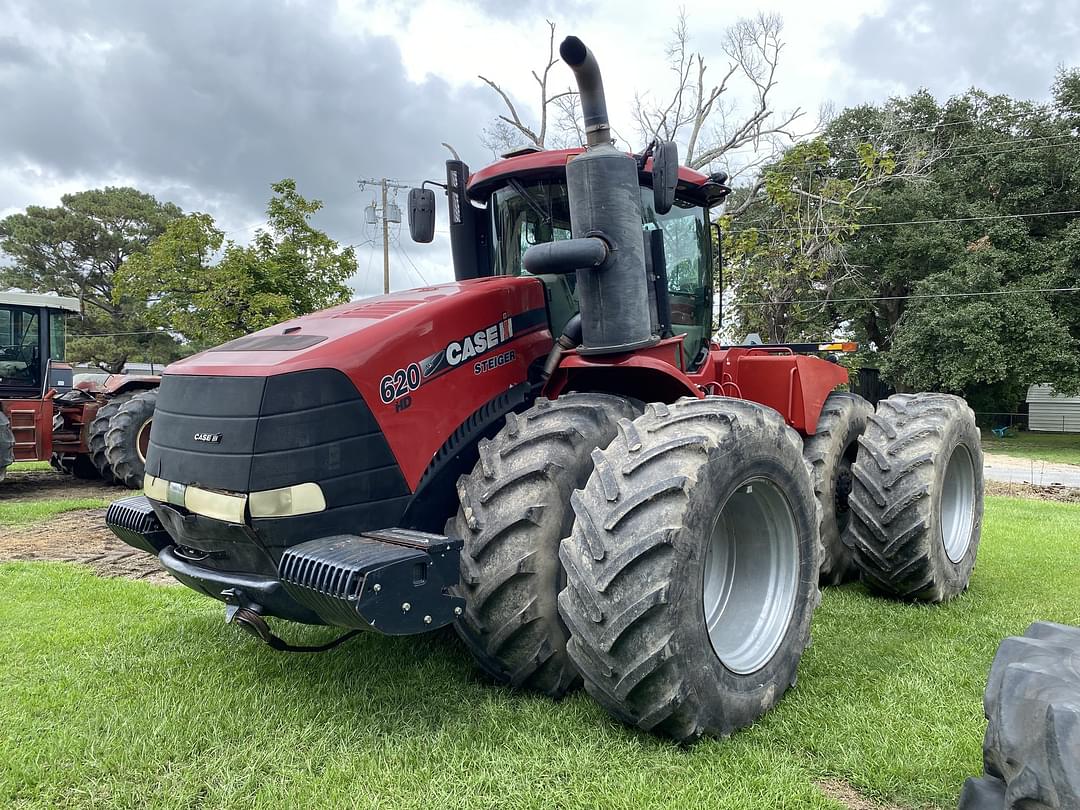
693 185
21 299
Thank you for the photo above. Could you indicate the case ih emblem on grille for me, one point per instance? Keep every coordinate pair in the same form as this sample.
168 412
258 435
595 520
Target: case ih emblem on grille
209 438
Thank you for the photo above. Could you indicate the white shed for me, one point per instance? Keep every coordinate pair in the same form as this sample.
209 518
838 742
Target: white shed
1050 412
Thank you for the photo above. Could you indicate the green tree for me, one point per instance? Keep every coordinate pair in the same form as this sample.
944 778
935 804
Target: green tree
77 249
979 225
211 290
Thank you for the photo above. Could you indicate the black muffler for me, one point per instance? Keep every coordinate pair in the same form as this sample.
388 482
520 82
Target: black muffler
607 251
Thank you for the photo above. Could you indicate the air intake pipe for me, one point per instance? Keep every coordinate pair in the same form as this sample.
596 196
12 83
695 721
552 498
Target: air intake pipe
607 251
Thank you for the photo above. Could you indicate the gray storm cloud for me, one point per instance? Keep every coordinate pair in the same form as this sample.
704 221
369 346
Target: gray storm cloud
207 103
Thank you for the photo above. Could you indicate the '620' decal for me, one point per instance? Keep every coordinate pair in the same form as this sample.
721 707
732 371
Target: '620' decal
400 383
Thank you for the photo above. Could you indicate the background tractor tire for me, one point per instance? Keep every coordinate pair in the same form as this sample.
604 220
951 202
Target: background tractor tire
515 508
1031 751
7 445
128 436
917 502
831 452
692 569
83 468
99 426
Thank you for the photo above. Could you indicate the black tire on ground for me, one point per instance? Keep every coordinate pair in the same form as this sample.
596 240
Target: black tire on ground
1032 704
83 468
7 445
515 508
917 502
831 452
99 426
700 507
128 436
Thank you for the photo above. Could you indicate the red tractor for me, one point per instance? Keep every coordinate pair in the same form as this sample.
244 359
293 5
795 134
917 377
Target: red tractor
86 427
551 454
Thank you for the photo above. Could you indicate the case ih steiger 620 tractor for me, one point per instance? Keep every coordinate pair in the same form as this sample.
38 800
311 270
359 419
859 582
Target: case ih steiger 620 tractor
88 428
551 454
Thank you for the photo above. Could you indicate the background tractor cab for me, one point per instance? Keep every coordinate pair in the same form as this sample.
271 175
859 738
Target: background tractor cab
501 211
33 333
46 415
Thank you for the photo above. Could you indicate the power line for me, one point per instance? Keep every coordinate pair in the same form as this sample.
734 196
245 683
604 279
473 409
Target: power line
931 221
1065 144
910 296
398 246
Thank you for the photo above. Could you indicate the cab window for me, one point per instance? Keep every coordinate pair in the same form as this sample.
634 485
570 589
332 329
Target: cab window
20 347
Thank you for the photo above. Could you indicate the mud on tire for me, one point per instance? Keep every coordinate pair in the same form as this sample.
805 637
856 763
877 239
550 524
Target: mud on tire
7 445
1031 751
128 436
649 546
515 508
917 501
831 452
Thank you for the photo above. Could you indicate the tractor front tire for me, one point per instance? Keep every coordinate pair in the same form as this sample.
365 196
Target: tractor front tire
129 436
917 501
831 452
7 445
99 426
692 569
514 510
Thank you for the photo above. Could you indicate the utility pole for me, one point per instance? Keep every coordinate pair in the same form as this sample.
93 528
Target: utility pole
390 212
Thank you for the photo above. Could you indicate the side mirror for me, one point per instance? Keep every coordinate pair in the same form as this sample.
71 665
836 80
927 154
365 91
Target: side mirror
422 214
665 175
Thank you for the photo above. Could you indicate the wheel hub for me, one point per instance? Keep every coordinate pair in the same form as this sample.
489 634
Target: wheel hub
751 576
958 503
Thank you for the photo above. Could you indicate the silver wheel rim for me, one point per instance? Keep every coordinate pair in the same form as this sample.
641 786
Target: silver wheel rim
958 503
751 576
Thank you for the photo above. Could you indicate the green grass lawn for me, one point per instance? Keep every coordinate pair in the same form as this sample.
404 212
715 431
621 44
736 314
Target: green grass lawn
20 513
1063 448
122 694
26 466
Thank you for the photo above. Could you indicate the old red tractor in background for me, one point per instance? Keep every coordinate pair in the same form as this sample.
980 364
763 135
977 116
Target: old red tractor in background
552 454
88 427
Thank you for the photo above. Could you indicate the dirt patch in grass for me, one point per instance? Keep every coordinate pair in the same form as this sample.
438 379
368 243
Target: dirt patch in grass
840 791
40 485
80 537
1042 493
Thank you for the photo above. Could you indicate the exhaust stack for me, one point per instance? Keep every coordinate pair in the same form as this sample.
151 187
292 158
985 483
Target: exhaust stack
607 250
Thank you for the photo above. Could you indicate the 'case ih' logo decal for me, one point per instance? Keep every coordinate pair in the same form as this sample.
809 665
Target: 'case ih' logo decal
209 438
403 381
479 342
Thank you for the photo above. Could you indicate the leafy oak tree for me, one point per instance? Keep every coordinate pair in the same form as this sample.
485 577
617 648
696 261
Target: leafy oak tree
77 249
211 290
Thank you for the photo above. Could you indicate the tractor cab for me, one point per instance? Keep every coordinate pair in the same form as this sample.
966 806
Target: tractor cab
499 212
33 339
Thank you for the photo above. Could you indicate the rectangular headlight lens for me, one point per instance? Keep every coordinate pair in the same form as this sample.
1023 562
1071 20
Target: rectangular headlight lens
299 499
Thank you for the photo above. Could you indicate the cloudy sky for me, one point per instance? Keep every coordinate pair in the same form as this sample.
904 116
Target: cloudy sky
207 102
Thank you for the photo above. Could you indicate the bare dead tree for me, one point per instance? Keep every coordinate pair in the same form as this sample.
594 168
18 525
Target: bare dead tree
511 130
702 116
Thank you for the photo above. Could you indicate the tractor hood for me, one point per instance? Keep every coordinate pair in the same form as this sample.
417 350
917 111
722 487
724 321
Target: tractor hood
396 375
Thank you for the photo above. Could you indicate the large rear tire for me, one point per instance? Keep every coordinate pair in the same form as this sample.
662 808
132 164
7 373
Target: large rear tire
917 503
1031 751
831 452
7 445
692 569
99 426
515 508
128 438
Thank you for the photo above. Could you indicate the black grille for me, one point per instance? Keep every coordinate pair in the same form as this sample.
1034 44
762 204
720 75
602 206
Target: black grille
133 521
360 581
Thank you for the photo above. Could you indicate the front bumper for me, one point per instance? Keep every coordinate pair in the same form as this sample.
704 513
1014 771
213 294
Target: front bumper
395 581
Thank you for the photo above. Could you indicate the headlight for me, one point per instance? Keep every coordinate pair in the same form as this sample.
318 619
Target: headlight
299 499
